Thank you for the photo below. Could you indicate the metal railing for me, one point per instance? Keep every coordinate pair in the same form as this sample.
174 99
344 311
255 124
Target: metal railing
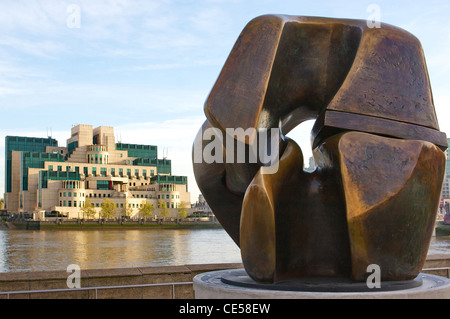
95 289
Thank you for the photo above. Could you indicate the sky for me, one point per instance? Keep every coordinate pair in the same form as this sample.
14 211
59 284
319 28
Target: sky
147 67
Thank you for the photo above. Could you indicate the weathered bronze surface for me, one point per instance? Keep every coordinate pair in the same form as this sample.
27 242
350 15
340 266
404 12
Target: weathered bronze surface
374 194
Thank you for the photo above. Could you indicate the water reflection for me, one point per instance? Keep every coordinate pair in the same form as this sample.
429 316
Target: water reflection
56 249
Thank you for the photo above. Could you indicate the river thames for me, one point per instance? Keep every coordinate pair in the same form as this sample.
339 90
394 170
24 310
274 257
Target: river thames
27 250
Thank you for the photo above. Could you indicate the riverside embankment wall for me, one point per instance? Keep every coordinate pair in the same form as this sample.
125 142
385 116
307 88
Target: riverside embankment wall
170 282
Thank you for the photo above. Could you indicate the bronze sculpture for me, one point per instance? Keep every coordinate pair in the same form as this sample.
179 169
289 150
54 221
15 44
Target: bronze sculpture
374 194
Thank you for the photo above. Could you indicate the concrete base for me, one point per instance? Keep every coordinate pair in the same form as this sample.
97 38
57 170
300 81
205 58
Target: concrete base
211 285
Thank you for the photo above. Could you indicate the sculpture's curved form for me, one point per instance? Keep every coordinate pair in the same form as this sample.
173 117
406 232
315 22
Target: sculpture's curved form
376 143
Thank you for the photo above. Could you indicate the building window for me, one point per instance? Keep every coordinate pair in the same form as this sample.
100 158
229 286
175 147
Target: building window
50 167
59 168
103 171
136 173
70 203
129 173
113 172
94 171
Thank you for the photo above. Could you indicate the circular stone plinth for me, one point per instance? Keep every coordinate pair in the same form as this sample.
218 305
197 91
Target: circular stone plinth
236 284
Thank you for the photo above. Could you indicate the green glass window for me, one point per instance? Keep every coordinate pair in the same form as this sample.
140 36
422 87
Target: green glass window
103 185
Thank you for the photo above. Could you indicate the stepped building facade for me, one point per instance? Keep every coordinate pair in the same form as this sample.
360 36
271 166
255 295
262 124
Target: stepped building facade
42 178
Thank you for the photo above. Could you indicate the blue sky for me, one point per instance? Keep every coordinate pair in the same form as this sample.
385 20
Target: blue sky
146 67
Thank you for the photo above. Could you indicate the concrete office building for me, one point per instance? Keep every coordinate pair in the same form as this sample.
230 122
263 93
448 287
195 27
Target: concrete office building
42 177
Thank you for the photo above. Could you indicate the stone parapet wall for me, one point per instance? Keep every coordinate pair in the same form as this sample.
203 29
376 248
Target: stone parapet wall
169 282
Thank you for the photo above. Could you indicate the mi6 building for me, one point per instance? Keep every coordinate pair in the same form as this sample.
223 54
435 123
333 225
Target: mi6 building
43 178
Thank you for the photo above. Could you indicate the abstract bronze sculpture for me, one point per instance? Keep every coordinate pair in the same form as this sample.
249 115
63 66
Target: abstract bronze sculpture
374 194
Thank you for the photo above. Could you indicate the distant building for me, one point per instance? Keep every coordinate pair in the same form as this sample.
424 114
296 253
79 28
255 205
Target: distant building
42 177
201 206
446 185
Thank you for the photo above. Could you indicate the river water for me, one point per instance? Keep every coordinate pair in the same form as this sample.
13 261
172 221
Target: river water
23 250
27 250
